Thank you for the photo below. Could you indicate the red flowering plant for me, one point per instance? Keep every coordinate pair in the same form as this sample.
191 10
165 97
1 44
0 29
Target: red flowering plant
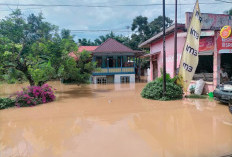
34 95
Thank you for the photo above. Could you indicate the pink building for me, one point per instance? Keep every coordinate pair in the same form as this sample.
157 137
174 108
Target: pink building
214 52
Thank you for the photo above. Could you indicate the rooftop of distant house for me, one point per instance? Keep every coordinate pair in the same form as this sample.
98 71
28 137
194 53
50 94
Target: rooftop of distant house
87 48
82 48
113 46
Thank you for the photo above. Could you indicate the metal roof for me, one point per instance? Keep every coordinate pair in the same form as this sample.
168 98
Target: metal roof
169 30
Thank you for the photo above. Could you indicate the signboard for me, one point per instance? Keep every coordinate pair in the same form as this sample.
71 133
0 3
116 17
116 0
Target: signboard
206 44
211 21
225 31
224 45
189 60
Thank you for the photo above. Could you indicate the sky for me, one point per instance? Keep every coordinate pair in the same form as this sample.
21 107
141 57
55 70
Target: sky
115 18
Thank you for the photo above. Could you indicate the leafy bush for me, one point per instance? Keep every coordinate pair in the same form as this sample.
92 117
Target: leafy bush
154 89
6 103
34 95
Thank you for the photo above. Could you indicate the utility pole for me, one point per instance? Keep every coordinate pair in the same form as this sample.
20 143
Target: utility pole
164 52
175 41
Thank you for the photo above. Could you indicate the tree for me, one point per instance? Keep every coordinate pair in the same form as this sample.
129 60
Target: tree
85 42
229 12
33 47
66 34
77 72
101 39
143 30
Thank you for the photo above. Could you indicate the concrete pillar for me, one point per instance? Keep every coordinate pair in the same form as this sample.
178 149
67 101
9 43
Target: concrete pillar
116 61
107 64
216 62
121 62
151 69
103 61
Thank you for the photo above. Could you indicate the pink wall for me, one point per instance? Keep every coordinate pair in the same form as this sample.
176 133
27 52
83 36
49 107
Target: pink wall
158 47
216 63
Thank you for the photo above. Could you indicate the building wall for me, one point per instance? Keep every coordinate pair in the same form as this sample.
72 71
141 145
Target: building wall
117 78
114 79
158 47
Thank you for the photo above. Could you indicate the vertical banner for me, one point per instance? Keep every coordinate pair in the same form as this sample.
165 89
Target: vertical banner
189 60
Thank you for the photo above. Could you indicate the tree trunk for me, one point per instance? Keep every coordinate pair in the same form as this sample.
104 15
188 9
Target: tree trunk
23 67
41 83
28 76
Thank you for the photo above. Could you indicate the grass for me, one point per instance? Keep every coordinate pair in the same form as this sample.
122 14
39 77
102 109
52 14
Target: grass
195 96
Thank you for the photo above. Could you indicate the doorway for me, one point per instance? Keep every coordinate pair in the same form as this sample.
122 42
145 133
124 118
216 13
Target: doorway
155 69
111 62
226 63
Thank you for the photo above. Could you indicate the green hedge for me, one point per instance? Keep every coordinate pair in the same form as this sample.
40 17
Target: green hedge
6 103
154 89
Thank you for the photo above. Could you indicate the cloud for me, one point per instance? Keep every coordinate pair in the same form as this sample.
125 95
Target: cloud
89 18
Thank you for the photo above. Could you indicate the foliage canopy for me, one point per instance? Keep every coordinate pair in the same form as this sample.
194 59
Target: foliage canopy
34 49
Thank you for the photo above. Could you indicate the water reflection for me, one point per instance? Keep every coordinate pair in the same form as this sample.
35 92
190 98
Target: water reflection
112 121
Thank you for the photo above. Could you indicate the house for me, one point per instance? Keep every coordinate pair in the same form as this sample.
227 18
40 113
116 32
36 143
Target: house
214 51
82 48
116 63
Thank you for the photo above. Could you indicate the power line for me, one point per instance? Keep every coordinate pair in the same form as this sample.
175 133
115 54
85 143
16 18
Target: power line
22 9
101 6
100 30
224 1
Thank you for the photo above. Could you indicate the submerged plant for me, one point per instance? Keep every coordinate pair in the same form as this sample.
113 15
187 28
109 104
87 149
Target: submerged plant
34 95
6 103
154 89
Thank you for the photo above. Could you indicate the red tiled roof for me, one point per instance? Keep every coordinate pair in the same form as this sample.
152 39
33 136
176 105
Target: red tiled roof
80 49
87 48
72 54
111 45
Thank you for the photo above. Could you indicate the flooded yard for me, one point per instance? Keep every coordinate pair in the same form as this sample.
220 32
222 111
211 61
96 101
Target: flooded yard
114 121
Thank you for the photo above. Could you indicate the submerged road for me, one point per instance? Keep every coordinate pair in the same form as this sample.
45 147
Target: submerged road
114 121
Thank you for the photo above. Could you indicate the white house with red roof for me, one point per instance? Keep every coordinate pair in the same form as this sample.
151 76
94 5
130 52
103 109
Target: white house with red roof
116 63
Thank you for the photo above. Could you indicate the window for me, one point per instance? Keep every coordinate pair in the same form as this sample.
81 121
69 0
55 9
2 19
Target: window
101 80
125 79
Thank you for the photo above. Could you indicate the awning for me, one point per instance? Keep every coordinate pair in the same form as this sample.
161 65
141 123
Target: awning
150 54
205 53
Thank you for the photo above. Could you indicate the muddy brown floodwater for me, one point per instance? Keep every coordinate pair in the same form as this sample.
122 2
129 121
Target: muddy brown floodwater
114 121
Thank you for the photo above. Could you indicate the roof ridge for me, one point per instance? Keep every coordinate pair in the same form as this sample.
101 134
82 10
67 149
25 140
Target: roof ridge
102 44
111 41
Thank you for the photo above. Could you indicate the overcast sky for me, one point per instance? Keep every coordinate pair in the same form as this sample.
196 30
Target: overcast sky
107 18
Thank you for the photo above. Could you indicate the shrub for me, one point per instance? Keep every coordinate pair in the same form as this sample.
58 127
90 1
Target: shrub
154 89
34 95
6 103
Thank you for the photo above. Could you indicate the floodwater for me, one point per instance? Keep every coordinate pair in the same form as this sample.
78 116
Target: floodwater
114 121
